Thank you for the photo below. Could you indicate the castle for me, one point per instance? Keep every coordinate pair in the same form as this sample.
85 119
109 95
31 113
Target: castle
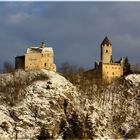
108 68
36 58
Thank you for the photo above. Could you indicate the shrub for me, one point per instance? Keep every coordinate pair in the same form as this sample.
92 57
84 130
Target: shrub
4 125
44 134
8 67
75 130
14 89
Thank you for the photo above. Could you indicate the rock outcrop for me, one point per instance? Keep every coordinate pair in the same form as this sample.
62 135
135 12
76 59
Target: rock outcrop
37 103
43 105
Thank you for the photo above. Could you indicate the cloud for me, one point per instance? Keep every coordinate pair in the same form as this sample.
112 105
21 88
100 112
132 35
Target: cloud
74 29
18 18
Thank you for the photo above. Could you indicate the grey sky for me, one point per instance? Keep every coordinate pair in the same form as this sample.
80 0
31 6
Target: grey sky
74 29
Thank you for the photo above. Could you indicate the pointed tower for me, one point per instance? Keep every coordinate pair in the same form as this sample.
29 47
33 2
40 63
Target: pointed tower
106 51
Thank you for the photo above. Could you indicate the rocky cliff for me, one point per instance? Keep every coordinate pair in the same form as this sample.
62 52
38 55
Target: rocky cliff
43 104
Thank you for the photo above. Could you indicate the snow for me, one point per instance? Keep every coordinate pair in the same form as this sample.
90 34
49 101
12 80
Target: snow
133 79
40 106
38 49
44 105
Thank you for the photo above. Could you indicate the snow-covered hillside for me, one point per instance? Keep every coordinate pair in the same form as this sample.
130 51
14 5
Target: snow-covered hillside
42 105
48 104
133 79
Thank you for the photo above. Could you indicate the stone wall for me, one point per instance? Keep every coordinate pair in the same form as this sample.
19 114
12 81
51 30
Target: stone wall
111 71
40 61
106 53
36 58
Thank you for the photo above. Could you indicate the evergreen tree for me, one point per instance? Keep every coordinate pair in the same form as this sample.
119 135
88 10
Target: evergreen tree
44 135
63 128
65 106
88 128
75 130
126 67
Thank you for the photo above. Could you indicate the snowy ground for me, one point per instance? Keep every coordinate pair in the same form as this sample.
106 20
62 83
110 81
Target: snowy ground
134 79
43 105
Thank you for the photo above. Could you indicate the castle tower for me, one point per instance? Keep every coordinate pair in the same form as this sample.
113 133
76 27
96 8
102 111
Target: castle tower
106 51
43 45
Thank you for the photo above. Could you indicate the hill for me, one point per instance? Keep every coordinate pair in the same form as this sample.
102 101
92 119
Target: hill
43 104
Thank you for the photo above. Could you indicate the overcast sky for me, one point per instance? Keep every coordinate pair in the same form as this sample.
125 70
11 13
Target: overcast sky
74 29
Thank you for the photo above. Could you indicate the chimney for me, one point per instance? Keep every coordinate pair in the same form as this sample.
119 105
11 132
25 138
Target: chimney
43 45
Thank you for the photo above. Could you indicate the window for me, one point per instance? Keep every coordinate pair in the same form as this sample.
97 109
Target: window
45 64
112 73
106 51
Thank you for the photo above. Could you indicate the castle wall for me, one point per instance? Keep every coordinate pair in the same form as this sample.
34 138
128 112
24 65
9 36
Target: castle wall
111 71
48 60
33 61
44 60
20 62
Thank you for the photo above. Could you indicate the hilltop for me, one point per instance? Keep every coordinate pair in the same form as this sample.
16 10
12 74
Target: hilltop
43 103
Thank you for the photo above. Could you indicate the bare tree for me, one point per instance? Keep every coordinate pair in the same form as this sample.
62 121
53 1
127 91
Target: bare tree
71 72
8 67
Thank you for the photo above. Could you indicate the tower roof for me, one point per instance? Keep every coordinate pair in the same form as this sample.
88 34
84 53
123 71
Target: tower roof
106 41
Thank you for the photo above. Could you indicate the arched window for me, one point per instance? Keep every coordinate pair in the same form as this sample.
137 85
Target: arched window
106 51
